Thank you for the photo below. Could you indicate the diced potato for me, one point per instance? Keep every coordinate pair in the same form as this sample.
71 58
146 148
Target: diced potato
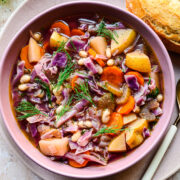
129 118
133 139
99 44
56 39
34 51
54 147
114 90
138 61
118 144
134 132
139 125
124 38
155 76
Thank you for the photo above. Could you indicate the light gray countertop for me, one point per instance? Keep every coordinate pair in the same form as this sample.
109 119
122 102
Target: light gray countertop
11 168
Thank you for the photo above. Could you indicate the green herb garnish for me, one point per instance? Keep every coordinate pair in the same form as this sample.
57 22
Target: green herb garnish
45 86
106 130
63 75
65 108
61 48
112 97
153 94
82 92
149 81
73 46
104 32
27 109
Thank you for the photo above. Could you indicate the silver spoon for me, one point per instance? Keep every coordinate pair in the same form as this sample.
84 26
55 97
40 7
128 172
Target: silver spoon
165 144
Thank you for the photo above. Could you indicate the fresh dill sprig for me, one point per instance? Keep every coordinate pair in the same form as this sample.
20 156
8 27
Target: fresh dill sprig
82 92
104 32
73 46
64 74
65 108
112 97
149 81
106 130
27 109
61 48
154 93
45 87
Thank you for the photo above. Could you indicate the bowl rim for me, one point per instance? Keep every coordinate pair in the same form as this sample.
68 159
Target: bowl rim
132 16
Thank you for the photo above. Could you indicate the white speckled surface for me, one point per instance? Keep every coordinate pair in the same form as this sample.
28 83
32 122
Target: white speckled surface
11 168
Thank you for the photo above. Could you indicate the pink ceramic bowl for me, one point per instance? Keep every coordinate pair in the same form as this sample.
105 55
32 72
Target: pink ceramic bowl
46 18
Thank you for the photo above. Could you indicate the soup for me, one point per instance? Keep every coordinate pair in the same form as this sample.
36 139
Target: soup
86 90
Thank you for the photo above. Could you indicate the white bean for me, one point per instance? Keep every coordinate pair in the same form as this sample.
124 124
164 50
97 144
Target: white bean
81 61
108 53
76 136
81 124
88 124
159 97
83 54
106 116
23 87
110 62
25 78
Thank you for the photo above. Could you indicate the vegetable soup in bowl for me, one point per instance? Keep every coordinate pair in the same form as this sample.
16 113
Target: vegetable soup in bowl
92 92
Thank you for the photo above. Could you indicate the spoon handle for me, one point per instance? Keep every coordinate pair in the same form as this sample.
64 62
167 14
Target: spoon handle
160 153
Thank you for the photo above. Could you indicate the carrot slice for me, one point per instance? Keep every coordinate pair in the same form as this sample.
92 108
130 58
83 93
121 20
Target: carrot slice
139 77
100 62
73 81
116 121
77 165
92 53
24 57
113 75
77 32
45 45
127 107
63 27
42 51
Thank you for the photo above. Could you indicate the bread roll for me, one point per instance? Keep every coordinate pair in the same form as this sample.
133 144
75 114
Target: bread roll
163 16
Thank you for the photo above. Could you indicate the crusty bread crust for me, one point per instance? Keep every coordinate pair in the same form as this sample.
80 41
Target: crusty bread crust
163 16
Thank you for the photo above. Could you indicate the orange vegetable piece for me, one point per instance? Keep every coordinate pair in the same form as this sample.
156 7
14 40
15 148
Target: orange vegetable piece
24 57
92 53
63 26
42 51
34 51
113 75
139 77
77 32
116 121
45 45
127 107
77 165
73 81
100 62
